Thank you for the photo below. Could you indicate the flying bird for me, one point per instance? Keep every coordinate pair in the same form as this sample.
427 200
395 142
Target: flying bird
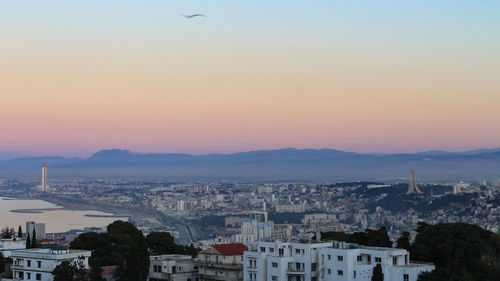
194 16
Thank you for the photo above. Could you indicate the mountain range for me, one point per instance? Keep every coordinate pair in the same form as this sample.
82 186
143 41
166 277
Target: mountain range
266 165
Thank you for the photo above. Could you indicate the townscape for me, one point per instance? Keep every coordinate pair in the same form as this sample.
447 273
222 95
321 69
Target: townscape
228 225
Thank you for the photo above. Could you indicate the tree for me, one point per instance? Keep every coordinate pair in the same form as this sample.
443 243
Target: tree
133 264
65 271
459 251
377 273
7 232
161 243
20 232
370 237
123 245
404 241
28 242
33 240
70 271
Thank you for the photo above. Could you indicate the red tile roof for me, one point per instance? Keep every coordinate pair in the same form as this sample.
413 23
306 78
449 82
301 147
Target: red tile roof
231 249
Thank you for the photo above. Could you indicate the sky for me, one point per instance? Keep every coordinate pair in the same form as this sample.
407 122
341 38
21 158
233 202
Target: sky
364 76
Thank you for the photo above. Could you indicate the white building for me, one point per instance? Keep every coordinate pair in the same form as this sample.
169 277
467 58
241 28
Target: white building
38 227
10 244
253 231
293 261
172 268
38 264
290 208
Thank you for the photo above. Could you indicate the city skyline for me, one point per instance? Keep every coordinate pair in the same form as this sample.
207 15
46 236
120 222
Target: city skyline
366 77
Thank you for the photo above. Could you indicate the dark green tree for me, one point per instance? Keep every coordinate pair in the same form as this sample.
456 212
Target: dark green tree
377 274
404 241
34 244
80 270
377 238
64 272
20 232
133 264
2 262
459 251
123 245
160 243
7 232
28 242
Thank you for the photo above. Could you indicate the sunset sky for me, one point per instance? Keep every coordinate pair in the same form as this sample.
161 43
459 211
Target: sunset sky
366 76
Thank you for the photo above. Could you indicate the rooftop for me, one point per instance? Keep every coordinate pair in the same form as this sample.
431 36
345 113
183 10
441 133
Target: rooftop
231 249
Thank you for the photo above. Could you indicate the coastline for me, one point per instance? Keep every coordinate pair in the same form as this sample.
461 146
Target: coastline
74 205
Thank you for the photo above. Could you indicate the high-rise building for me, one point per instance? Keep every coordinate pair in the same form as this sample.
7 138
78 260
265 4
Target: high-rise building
44 177
38 227
412 184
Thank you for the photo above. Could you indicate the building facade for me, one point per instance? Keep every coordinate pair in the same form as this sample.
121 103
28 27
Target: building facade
172 268
337 261
38 264
221 262
38 227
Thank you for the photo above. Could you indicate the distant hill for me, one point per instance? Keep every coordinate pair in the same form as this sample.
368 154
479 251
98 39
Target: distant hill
268 165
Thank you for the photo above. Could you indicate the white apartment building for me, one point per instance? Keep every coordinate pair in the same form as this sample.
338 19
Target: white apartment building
10 244
38 264
282 261
337 261
254 230
172 268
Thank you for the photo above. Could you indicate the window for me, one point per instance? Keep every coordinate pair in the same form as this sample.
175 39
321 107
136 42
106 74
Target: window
38 276
329 271
395 261
271 250
406 277
28 263
303 251
262 249
340 272
39 263
329 257
274 278
313 266
28 275
378 259
314 278
340 258
297 251
275 264
360 258
281 252
354 274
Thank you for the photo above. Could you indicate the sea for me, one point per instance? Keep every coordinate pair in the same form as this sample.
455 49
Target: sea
15 212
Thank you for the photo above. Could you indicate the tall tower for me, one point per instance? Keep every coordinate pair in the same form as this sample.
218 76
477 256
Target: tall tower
44 177
412 184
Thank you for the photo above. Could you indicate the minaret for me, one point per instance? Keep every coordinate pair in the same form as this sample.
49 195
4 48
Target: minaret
44 177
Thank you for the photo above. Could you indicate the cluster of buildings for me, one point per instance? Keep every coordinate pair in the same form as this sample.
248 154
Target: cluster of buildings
287 261
261 260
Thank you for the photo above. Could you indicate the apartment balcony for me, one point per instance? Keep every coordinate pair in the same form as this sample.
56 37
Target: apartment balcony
252 268
231 266
209 277
295 271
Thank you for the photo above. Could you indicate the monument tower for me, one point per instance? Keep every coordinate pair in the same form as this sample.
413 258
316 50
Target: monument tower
44 177
412 184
